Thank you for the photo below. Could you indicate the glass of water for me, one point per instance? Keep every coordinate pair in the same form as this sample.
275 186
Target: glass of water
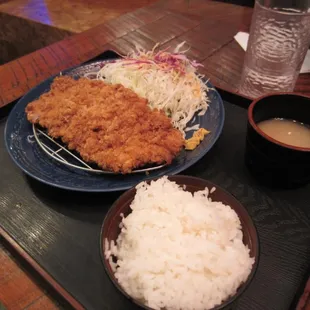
278 43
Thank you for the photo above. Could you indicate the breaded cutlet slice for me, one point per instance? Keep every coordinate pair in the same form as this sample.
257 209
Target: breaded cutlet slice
109 125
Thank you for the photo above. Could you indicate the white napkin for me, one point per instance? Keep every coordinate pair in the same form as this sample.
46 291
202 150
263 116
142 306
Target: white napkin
242 39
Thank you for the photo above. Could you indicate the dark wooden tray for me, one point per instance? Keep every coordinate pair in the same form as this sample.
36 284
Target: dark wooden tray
57 232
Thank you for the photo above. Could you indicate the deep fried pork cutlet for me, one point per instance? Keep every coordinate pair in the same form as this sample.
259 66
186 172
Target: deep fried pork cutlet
107 124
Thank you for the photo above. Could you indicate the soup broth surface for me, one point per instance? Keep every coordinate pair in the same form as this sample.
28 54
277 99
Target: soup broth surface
287 131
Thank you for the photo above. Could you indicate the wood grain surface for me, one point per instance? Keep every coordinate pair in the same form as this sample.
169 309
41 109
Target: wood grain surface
46 22
15 43
71 15
29 295
208 27
18 290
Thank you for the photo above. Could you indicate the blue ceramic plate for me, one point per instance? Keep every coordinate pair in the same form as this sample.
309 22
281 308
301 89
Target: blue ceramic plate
28 155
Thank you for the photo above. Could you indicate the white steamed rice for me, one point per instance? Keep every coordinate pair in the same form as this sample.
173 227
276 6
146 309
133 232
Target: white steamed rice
177 250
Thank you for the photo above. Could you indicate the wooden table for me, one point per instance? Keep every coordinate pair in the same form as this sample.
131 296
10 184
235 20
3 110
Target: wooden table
46 22
208 27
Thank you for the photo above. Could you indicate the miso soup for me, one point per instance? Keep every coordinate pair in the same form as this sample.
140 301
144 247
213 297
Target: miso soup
287 131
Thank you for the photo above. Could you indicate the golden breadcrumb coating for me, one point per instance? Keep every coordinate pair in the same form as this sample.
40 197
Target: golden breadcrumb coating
109 125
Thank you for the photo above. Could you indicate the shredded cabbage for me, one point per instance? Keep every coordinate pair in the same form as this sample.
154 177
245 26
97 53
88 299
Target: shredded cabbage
169 81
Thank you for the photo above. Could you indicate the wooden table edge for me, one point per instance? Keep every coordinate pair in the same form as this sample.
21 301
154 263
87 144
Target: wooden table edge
303 301
40 271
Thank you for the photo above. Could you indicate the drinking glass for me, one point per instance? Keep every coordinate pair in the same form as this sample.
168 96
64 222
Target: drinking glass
278 43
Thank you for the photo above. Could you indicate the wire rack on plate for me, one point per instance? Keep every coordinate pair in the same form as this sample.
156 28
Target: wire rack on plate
59 152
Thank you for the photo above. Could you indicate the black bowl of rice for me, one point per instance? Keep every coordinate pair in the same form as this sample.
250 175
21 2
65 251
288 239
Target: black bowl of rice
179 242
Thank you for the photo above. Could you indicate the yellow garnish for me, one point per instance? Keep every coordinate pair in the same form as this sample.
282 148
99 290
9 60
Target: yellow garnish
194 141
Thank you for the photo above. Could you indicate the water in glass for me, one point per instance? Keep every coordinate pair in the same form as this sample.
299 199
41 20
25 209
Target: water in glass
278 42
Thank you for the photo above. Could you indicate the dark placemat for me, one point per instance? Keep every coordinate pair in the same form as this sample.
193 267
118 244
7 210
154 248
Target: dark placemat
60 229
